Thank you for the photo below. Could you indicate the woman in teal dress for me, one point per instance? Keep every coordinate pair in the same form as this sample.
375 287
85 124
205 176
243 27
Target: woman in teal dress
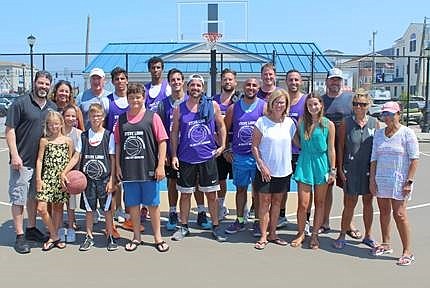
315 167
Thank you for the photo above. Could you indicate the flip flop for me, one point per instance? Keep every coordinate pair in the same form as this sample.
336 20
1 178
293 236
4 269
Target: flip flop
406 260
355 234
339 244
278 241
381 250
298 241
369 242
162 246
132 245
324 230
260 245
48 245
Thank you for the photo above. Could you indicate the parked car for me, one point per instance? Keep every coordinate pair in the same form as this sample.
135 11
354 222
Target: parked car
375 111
412 114
420 100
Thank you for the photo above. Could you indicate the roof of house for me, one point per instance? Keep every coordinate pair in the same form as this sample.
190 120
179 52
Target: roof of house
193 57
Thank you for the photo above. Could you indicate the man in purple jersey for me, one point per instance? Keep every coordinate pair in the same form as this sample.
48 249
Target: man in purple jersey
268 81
158 88
227 97
118 105
294 82
194 151
240 119
165 110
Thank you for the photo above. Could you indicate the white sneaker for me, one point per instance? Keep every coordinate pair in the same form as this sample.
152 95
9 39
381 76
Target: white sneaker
308 231
120 215
71 235
222 212
62 234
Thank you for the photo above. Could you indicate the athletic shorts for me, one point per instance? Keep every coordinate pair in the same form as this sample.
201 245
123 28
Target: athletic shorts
275 185
224 168
138 193
171 173
21 185
244 169
205 173
96 192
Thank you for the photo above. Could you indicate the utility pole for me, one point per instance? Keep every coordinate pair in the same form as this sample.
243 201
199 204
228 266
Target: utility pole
373 59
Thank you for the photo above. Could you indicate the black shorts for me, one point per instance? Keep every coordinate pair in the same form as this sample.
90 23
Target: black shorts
224 168
171 173
205 173
276 184
95 192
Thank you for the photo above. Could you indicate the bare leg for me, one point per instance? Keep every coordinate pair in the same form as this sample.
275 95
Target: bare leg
275 207
264 201
135 219
185 205
401 218
368 215
211 197
241 197
172 192
31 212
42 209
385 219
18 218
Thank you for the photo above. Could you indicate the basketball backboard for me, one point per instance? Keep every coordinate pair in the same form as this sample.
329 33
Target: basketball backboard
197 17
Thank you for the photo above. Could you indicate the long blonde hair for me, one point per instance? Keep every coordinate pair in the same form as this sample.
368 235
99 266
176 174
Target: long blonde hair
52 115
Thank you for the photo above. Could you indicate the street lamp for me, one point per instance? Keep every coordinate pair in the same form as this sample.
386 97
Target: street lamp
31 40
425 127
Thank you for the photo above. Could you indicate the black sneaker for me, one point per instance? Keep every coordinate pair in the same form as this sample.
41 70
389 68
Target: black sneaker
87 244
111 244
34 234
203 221
21 246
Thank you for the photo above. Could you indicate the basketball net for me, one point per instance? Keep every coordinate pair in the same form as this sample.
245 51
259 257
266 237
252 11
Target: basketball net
212 38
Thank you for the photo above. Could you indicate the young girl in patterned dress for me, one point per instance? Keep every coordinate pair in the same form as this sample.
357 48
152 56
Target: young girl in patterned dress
55 150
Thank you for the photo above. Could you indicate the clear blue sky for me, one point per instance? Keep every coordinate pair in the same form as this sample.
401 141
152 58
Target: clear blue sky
343 25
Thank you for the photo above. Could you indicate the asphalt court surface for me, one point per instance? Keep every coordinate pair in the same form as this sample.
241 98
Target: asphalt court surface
200 261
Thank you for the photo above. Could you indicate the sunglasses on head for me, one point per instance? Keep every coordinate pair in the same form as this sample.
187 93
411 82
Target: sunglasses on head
387 113
361 104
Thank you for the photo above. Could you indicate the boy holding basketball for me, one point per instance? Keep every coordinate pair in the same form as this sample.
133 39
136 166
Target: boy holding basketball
140 140
96 153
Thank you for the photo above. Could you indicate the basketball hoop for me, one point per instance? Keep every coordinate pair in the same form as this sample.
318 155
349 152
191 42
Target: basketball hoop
212 38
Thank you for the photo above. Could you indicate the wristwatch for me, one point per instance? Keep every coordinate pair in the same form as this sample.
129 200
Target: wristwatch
409 181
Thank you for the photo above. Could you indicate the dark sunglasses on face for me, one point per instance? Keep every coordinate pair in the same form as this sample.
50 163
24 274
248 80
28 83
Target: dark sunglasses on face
387 113
361 104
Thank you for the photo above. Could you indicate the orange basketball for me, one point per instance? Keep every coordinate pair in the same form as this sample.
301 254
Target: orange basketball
77 182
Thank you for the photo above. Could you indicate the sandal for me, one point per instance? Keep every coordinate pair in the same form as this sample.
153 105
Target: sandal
132 245
355 234
278 241
48 245
298 241
162 246
314 244
339 244
406 260
260 245
369 242
381 250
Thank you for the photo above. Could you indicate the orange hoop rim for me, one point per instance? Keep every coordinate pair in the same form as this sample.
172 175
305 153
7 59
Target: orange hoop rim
212 37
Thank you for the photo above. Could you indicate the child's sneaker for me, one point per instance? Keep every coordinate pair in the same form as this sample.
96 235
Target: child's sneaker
87 244
173 221
235 227
62 234
111 243
203 222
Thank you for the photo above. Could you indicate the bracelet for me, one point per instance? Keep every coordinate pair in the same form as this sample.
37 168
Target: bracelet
333 171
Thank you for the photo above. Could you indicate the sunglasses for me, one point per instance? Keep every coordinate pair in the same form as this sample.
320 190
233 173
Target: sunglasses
361 104
387 114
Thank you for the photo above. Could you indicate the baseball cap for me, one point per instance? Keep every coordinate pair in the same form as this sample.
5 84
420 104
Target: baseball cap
334 72
196 77
98 72
390 106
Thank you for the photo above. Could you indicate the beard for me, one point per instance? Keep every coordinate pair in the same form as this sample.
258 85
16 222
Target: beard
41 93
228 88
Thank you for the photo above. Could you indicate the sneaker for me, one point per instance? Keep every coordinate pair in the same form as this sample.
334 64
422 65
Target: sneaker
111 244
282 222
245 214
251 214
128 225
34 234
308 231
222 212
119 215
235 227
21 246
217 234
203 222
173 221
256 232
181 233
71 235
87 244
62 234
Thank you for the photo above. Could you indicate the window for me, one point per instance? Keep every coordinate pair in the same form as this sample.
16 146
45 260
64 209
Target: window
416 66
413 43
398 52
397 72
